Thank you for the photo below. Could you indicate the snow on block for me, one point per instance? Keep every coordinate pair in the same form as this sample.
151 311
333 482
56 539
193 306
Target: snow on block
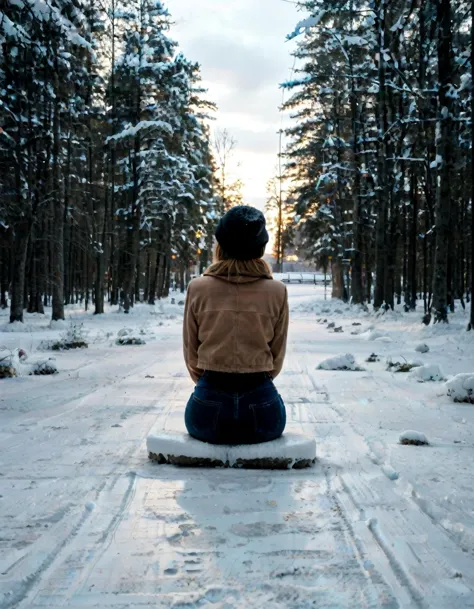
413 438
461 388
291 451
340 362
427 373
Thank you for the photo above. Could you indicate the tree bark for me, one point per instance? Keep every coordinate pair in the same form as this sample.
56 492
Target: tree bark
19 251
445 151
382 199
471 320
337 280
4 277
58 217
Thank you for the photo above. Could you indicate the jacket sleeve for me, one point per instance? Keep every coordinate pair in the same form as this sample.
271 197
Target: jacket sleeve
190 339
278 344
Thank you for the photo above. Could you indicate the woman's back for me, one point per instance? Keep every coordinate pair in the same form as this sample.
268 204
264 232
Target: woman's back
235 328
236 324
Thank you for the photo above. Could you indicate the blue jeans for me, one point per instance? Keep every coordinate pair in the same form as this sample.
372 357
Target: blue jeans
218 416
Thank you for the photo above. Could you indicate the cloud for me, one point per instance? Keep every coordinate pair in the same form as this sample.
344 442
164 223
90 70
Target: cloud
246 67
241 47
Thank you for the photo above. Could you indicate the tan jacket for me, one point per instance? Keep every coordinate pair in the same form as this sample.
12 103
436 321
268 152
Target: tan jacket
235 324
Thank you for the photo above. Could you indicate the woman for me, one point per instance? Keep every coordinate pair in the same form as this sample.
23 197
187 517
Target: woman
235 331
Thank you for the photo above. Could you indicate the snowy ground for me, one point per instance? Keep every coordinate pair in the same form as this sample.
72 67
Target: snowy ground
86 521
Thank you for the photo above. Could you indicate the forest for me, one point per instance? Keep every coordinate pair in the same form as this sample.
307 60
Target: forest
111 185
380 149
107 179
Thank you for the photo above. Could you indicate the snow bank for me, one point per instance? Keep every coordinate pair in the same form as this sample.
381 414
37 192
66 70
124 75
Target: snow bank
16 326
43 367
461 388
422 348
59 324
9 363
340 362
416 438
373 335
427 373
291 450
402 366
390 472
128 336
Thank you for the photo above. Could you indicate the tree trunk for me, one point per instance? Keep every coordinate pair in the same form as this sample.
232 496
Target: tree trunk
19 251
471 320
357 290
337 280
4 277
445 151
167 277
58 217
99 284
382 199
412 253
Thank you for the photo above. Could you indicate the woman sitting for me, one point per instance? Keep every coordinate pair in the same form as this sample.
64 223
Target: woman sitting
235 332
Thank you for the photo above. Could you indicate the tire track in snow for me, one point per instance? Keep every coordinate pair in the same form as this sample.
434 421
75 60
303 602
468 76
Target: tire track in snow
393 569
25 597
373 598
15 599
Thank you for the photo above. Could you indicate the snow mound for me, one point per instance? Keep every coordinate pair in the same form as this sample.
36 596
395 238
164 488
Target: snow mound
427 373
416 438
373 335
402 366
130 340
422 348
59 324
292 450
124 332
384 339
129 336
16 326
390 472
461 388
340 362
43 367
9 363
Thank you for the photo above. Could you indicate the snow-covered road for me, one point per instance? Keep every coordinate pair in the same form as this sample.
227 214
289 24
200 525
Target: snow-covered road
86 521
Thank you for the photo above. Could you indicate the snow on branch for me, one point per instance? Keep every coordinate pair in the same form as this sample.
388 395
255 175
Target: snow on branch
305 25
131 131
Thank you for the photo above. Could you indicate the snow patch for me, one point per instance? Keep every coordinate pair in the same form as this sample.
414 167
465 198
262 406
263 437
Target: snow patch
416 438
16 326
340 362
384 339
43 367
427 373
461 388
59 324
9 363
373 335
390 472
422 348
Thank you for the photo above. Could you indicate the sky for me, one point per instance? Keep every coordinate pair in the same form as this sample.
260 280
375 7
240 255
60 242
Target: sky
244 56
